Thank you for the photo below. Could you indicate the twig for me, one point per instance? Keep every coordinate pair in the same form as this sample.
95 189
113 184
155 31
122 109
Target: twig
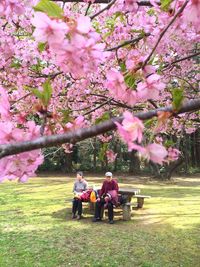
88 7
132 41
21 98
44 121
53 153
163 33
94 109
140 3
181 59
103 9
51 76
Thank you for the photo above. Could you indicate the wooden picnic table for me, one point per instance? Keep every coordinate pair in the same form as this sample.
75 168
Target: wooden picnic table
126 191
129 192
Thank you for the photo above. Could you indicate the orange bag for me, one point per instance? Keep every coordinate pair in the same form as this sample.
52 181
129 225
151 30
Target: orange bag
93 197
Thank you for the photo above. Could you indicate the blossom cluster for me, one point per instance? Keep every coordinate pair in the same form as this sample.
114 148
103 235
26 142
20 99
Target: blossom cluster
72 42
23 165
131 131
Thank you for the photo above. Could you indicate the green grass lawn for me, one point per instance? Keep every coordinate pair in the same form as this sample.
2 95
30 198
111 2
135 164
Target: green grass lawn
37 230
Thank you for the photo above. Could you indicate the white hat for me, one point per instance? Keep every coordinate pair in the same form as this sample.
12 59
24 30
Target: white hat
108 174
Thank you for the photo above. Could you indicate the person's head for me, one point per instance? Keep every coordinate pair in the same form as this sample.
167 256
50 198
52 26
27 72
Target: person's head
108 176
79 175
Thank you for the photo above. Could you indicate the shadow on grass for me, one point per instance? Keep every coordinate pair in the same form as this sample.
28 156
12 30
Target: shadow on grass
65 214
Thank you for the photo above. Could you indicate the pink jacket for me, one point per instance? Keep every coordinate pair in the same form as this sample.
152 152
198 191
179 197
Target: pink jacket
113 197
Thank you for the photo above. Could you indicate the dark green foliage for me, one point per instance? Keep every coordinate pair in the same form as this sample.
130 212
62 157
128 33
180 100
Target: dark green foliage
90 155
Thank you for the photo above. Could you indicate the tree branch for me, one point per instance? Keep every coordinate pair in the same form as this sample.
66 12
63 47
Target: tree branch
81 134
98 107
181 59
140 3
164 31
132 41
88 7
44 121
103 9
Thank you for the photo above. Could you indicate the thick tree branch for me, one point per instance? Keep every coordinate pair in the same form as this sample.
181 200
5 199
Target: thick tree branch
81 134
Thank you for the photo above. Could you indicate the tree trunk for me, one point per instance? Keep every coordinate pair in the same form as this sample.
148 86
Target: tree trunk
155 170
115 151
134 166
67 163
168 174
197 147
95 154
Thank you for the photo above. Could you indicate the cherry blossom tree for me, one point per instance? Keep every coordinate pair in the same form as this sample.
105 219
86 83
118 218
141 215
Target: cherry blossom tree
71 70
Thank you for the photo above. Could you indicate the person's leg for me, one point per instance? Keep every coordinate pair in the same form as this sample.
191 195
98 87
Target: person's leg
74 207
79 207
110 211
98 207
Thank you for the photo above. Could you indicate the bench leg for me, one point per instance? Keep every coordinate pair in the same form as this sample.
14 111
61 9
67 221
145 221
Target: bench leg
91 206
126 212
140 203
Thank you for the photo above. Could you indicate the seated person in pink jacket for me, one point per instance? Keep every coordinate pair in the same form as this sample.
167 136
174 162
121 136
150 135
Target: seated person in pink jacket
107 196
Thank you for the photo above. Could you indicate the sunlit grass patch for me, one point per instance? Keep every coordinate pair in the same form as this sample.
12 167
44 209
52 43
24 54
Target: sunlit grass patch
37 230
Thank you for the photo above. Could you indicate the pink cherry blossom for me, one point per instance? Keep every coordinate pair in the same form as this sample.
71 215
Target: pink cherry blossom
154 152
111 156
191 14
173 154
118 89
48 30
159 140
83 24
10 7
115 82
105 139
77 123
150 88
68 148
131 5
190 130
131 129
20 166
4 104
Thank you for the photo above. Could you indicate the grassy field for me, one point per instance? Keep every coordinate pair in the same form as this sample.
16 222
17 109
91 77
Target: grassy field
37 230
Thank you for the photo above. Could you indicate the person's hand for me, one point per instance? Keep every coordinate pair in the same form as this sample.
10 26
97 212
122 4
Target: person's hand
106 199
98 199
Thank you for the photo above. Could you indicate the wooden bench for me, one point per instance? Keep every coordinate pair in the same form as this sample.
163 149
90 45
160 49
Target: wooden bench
129 193
140 200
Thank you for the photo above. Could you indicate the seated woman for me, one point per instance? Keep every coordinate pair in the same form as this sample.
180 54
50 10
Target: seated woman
80 186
